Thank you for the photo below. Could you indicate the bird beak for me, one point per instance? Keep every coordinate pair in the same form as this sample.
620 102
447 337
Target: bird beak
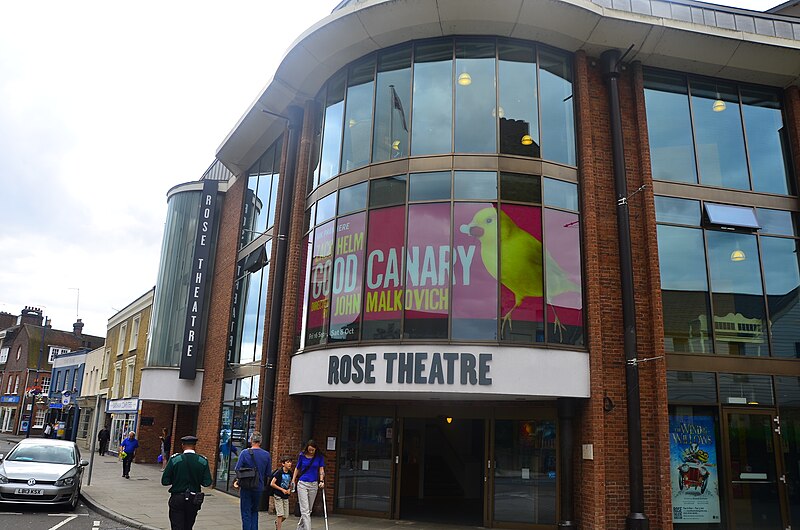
464 229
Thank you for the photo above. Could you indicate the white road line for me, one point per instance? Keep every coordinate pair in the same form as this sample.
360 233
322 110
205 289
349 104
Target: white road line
65 521
10 513
96 523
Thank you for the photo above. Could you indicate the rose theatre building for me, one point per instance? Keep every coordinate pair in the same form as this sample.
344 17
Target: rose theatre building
513 264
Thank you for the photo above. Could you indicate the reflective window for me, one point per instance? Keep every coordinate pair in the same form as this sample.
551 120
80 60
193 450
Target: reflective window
678 211
560 194
261 195
788 390
776 222
358 115
669 127
332 132
326 208
738 298
475 126
475 185
782 280
729 216
392 105
388 191
766 136
745 389
432 115
518 111
684 290
520 188
429 186
558 122
691 387
353 198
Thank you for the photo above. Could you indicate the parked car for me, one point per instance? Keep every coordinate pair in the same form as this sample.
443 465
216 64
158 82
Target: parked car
42 471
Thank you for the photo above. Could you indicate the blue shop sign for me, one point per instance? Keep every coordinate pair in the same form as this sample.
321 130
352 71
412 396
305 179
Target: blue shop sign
9 399
56 405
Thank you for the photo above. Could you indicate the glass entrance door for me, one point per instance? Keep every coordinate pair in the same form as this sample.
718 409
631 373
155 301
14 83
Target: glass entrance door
365 465
753 471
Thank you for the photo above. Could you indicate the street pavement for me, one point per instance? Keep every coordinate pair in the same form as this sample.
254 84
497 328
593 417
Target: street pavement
141 502
23 517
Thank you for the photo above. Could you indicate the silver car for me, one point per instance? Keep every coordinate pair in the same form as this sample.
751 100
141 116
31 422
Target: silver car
42 471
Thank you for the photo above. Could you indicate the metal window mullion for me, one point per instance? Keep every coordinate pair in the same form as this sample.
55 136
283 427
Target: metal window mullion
453 83
744 137
537 71
344 116
410 131
710 291
764 296
374 109
698 177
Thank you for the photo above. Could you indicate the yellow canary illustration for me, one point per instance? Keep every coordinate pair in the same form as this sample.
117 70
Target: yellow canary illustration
521 270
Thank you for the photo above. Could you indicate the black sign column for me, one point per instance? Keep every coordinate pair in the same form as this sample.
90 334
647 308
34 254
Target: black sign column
199 277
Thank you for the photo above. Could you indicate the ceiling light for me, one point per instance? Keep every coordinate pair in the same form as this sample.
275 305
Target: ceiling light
465 79
526 140
718 105
396 145
738 255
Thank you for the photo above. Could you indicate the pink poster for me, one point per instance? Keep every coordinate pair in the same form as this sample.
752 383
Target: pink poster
563 266
320 285
383 294
348 271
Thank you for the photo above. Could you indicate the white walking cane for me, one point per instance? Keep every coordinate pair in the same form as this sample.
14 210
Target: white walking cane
325 508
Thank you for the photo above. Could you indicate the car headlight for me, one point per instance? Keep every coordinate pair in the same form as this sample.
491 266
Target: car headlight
66 480
3 479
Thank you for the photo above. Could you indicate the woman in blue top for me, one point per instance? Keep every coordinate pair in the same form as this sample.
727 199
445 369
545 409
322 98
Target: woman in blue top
128 446
309 475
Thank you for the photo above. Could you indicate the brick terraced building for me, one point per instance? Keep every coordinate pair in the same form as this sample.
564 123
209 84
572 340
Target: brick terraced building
513 264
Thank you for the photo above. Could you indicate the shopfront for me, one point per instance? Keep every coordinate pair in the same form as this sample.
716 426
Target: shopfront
124 413
238 422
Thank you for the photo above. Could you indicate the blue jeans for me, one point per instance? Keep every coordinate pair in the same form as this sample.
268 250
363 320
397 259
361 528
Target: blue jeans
248 502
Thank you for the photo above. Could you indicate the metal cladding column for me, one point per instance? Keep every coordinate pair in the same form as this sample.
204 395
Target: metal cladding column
281 255
636 519
566 444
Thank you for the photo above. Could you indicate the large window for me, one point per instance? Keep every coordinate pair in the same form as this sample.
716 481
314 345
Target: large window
248 315
261 196
716 133
447 96
437 256
728 291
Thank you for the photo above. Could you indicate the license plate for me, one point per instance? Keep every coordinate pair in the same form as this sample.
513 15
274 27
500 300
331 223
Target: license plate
25 491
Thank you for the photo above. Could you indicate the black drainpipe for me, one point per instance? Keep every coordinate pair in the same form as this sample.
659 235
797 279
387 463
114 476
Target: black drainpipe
636 519
279 267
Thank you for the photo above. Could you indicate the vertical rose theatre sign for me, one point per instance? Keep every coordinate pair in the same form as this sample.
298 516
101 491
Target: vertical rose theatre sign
199 276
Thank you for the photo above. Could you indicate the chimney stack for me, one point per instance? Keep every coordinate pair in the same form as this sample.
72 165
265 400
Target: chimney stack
30 315
77 328
7 320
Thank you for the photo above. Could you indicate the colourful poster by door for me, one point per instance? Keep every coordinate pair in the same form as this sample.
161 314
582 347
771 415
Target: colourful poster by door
694 472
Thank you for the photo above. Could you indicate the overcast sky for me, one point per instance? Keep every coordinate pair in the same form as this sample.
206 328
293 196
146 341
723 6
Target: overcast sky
104 106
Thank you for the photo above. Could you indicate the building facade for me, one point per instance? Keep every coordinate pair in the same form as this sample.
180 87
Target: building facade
512 264
65 388
91 400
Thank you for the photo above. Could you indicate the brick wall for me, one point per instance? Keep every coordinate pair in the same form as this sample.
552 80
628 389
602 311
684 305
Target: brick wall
149 442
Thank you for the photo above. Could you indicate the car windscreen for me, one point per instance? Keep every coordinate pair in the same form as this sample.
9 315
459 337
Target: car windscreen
43 454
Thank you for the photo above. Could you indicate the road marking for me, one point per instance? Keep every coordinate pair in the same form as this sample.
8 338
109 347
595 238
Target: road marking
10 513
96 523
65 521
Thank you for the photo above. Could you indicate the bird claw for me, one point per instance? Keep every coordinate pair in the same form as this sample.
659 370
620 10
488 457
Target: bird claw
558 327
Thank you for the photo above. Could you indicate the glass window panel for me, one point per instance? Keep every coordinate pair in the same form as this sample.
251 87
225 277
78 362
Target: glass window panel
691 387
669 127
520 188
249 210
684 290
679 211
525 472
475 185
427 272
302 308
474 272
326 208
521 303
475 97
383 304
561 194
262 305
562 235
392 105
739 313
782 280
320 286
558 121
731 216
743 389
275 177
310 218
790 425
365 440
388 191
358 115
776 222
788 390
316 139
766 140
519 111
347 277
264 190
432 116
353 198
332 132
719 137
252 294
429 186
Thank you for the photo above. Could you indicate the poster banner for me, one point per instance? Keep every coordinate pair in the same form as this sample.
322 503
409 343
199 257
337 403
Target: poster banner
693 470
383 298
320 285
563 277
348 272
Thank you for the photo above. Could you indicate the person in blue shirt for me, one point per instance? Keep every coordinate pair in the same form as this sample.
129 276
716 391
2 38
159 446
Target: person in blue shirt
128 446
309 475
281 483
248 498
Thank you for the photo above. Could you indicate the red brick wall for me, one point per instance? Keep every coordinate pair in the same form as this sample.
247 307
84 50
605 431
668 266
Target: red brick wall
148 435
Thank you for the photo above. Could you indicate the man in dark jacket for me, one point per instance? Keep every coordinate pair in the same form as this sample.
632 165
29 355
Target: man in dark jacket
186 472
103 437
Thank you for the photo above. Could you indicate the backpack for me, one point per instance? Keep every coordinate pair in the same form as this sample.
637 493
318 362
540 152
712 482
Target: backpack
249 477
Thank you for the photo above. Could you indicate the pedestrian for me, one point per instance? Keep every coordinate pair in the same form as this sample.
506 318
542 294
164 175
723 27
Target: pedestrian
281 484
309 476
186 472
103 437
249 495
48 429
127 450
166 444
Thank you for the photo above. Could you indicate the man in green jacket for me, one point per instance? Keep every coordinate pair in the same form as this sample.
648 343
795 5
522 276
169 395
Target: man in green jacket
185 472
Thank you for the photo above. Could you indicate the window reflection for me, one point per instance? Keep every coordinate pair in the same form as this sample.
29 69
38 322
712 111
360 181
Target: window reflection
332 132
782 280
475 97
518 111
392 104
358 115
558 122
432 115
766 141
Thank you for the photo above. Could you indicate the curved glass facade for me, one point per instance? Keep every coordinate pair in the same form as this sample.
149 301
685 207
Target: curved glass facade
462 95
461 255
172 286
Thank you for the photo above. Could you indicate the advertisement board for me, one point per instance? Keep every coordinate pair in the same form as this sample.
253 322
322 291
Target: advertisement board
694 473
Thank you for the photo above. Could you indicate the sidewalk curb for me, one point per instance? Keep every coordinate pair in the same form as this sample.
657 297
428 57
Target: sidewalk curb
99 508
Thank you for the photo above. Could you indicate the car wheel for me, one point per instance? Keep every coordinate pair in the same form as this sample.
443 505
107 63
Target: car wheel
74 502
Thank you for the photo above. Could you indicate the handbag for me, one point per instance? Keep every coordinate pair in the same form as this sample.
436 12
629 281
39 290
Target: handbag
196 498
248 477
